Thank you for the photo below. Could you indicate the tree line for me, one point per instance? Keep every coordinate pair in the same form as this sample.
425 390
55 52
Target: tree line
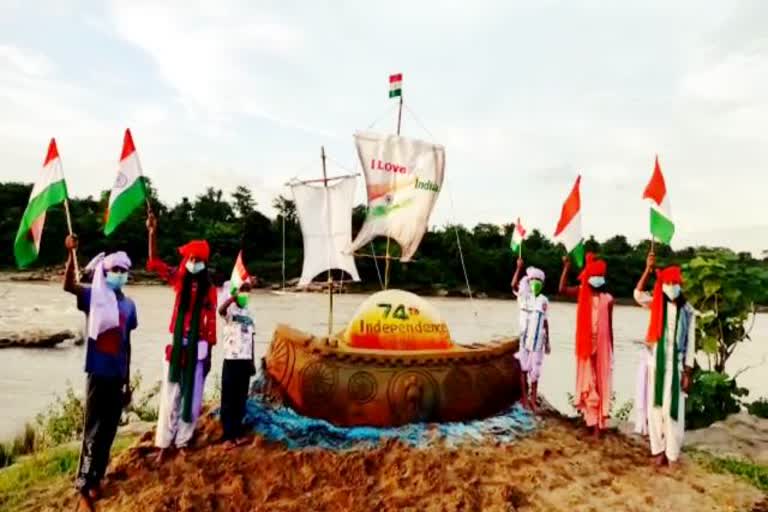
234 222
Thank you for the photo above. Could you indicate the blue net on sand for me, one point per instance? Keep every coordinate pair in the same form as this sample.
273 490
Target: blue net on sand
283 424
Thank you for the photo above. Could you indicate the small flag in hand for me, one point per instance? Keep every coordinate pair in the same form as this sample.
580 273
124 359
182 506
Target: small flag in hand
569 226
662 227
239 274
518 235
395 85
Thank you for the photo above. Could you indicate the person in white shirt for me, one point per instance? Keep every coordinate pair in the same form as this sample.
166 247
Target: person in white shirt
672 349
238 362
534 330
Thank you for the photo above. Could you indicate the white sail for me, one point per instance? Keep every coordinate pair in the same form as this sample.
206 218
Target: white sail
403 178
325 216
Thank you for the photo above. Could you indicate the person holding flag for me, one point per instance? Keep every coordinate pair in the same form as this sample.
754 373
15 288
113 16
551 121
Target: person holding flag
111 317
187 359
594 319
238 365
672 348
534 329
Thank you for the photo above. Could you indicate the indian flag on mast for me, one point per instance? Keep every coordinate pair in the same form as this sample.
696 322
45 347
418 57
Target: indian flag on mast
49 190
568 230
129 190
518 235
662 227
239 274
395 85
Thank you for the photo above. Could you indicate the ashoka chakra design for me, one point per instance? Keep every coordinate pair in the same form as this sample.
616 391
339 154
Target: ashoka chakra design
280 360
318 382
362 387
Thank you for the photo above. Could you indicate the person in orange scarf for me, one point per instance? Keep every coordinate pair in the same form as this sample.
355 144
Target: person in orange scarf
672 342
594 342
187 359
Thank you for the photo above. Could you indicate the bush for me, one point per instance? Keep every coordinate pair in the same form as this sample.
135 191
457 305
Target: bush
712 397
63 420
144 406
759 408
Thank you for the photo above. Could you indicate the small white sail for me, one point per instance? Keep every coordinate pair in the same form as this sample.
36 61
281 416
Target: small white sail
403 178
325 216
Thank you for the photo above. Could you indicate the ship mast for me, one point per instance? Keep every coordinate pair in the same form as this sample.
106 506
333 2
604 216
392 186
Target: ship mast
387 257
330 275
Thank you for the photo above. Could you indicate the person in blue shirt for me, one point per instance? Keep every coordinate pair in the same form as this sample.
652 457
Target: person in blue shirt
111 316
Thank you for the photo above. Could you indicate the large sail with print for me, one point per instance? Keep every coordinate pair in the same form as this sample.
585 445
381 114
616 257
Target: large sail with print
403 178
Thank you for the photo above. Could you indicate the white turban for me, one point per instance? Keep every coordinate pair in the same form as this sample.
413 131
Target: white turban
103 314
535 273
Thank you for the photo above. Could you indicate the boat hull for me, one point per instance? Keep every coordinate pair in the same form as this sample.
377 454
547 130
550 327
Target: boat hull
320 377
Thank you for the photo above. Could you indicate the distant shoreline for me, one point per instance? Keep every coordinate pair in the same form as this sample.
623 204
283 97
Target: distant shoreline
144 278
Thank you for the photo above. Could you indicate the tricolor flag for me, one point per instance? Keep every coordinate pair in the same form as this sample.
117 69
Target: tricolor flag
395 85
569 226
129 190
518 235
49 190
662 227
239 274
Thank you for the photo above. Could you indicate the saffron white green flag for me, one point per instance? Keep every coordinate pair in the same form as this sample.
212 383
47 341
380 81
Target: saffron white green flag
403 178
662 227
49 190
518 235
129 191
568 230
395 85
239 274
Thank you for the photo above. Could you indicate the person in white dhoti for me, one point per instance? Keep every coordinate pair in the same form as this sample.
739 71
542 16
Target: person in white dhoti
672 343
534 330
187 359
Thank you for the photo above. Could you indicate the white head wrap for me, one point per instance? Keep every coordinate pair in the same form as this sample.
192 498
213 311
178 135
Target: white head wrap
103 314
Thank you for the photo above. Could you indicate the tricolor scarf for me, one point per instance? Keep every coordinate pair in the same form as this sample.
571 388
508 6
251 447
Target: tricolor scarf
657 334
593 267
183 361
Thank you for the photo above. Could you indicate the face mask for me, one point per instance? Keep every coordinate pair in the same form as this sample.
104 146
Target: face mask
242 299
596 281
672 291
194 268
116 280
536 287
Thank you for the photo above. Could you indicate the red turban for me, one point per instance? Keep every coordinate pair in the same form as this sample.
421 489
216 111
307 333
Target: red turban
669 275
592 267
196 248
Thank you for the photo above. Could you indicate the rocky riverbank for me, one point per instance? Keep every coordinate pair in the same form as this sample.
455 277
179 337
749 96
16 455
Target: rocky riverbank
39 338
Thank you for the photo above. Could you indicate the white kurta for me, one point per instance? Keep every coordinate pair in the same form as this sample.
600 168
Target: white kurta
665 434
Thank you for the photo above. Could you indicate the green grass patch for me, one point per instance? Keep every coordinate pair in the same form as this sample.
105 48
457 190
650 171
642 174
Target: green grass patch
755 474
34 473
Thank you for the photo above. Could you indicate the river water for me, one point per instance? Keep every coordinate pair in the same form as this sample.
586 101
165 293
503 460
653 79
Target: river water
31 378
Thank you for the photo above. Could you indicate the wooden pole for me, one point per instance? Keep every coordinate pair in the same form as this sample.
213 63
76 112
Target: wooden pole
71 233
330 276
386 255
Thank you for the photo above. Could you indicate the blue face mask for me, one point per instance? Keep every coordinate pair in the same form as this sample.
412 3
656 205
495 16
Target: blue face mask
116 280
596 281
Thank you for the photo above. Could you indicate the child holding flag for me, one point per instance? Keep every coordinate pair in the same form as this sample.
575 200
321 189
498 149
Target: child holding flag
534 329
238 353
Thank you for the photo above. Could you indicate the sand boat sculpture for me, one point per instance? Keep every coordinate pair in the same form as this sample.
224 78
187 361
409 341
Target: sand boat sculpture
394 362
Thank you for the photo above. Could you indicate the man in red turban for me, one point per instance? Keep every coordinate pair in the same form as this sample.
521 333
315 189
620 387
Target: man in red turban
671 343
594 342
187 358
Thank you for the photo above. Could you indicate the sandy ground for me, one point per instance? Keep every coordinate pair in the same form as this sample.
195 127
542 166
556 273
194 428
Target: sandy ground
556 469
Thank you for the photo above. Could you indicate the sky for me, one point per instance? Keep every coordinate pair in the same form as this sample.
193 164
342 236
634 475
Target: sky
523 95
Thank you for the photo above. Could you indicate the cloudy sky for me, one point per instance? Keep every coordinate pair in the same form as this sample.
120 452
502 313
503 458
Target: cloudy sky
524 95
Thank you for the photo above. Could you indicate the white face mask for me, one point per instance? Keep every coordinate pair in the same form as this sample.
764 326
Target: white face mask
194 268
596 281
672 291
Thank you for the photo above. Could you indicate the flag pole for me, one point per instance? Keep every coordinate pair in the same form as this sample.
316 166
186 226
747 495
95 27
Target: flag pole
330 275
71 233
